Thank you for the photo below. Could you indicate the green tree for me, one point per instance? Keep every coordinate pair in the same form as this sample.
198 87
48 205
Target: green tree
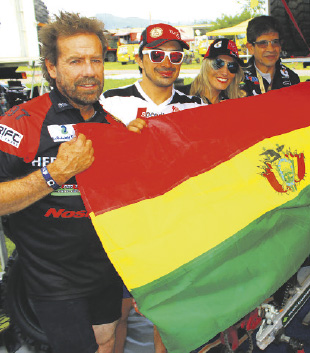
228 21
248 12
260 9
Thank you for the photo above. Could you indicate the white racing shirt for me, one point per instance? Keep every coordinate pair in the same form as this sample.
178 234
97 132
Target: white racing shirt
124 103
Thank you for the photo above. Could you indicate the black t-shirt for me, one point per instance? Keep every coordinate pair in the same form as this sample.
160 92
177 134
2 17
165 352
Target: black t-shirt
61 254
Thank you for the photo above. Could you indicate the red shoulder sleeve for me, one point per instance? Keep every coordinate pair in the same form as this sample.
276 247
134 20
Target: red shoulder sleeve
20 128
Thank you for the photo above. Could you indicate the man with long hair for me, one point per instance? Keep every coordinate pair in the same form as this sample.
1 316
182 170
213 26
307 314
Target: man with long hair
74 290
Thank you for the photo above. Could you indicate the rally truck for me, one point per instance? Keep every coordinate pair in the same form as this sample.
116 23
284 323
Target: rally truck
20 21
294 18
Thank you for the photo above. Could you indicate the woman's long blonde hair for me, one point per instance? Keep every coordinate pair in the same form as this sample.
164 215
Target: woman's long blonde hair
201 83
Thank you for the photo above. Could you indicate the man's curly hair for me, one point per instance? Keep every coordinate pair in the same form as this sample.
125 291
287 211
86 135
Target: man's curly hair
66 24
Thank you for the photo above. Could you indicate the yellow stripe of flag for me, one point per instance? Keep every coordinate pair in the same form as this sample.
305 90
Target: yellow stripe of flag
218 197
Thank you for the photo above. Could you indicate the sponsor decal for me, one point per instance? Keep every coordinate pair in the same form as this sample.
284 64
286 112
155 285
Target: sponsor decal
175 34
295 307
142 113
233 48
253 79
66 214
284 71
42 161
63 105
61 133
67 190
17 112
218 44
10 136
156 32
175 109
283 169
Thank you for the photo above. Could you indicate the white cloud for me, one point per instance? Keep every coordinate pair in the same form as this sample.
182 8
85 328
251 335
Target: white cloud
165 10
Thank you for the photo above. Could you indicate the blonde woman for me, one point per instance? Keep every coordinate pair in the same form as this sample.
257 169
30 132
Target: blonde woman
220 74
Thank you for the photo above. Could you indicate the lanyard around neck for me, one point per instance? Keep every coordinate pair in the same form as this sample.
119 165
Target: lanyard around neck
261 83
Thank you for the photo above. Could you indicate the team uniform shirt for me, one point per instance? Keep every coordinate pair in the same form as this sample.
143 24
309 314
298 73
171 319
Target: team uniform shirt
256 82
130 102
187 88
61 254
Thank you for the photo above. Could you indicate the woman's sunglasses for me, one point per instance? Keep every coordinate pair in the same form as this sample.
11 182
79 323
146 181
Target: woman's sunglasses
218 63
158 56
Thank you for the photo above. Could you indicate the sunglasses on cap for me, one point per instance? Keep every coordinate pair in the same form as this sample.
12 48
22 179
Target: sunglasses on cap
218 63
264 44
158 56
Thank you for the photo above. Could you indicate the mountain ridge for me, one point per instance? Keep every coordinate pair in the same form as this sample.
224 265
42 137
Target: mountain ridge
116 22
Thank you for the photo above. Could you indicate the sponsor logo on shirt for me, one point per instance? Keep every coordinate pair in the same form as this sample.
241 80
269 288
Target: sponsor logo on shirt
284 72
10 136
66 214
175 109
42 161
67 190
63 105
254 79
61 133
142 113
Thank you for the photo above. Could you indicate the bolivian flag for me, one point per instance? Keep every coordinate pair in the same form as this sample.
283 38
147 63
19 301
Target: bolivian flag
206 213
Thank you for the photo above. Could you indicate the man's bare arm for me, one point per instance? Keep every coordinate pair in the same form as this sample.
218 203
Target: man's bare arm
73 157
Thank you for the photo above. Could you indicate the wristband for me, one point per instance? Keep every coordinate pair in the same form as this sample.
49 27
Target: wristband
49 179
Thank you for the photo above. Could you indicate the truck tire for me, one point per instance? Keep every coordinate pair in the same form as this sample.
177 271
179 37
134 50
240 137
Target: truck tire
41 11
293 43
17 307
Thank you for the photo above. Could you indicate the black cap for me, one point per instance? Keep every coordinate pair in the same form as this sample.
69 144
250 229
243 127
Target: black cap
224 46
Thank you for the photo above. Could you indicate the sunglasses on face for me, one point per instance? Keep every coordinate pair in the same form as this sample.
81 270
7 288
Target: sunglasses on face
264 44
218 63
158 56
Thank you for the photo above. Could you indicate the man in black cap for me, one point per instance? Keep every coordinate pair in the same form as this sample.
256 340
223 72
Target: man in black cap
220 74
265 71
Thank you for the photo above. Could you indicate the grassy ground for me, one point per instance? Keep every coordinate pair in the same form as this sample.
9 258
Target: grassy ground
9 245
119 66
116 66
113 83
